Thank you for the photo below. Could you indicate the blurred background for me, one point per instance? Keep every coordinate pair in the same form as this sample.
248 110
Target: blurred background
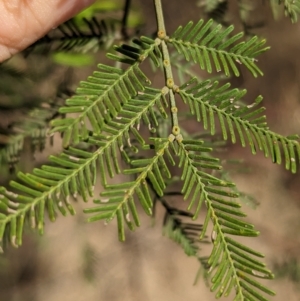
79 261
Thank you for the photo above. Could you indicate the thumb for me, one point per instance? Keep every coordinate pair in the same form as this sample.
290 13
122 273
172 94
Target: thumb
25 21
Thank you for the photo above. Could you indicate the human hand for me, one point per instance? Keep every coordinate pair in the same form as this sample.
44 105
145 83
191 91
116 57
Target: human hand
22 22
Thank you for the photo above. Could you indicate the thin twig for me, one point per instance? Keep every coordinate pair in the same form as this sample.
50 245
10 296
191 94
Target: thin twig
125 19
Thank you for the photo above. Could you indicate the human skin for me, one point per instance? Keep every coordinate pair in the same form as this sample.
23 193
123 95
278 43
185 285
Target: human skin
22 22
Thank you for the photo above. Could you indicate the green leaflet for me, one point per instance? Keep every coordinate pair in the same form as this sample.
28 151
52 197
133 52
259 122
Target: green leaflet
120 198
208 102
208 45
99 99
74 171
230 263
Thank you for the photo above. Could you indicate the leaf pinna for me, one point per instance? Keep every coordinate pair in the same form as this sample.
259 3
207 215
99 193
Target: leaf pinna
100 98
229 260
74 172
208 45
209 101
120 201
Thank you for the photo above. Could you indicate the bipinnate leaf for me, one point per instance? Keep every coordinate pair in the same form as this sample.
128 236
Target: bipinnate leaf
211 46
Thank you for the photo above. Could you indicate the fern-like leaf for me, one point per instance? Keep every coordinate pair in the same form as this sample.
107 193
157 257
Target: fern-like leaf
101 97
74 171
208 101
231 263
207 45
120 201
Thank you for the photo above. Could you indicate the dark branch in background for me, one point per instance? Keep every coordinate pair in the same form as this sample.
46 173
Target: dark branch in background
185 234
218 12
245 10
125 19
70 37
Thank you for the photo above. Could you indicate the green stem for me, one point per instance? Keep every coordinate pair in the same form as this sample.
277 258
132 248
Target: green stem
159 15
161 33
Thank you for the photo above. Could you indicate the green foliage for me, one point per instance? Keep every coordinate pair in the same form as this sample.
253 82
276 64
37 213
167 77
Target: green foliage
30 126
120 198
33 126
207 101
118 123
103 95
229 260
291 8
206 44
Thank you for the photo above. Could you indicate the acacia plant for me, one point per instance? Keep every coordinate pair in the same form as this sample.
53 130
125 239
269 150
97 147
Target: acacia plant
117 122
